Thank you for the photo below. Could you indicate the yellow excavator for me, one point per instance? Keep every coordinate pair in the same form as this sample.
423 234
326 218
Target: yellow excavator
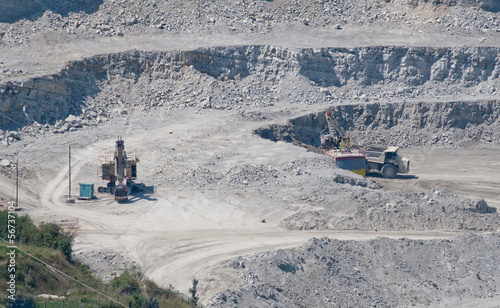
120 170
334 136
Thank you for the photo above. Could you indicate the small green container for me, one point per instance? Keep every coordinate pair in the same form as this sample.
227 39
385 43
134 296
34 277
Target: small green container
86 191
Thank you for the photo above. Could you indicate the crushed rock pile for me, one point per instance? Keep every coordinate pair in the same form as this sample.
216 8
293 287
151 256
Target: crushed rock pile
328 198
376 273
438 209
313 182
103 264
20 24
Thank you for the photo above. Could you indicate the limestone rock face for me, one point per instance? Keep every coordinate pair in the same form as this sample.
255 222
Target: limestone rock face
489 5
51 98
403 124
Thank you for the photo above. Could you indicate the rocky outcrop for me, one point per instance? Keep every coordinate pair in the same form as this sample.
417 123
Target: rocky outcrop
45 99
490 5
51 98
14 10
403 124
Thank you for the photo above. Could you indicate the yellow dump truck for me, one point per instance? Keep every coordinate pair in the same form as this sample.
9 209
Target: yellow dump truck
386 160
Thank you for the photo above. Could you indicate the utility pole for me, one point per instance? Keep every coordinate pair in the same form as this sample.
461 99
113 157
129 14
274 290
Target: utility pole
69 189
17 183
69 199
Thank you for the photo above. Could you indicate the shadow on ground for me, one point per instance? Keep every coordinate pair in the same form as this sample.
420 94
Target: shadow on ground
490 5
12 11
142 192
398 177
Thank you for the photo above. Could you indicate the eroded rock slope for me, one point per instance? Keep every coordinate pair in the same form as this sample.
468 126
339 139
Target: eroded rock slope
242 77
422 124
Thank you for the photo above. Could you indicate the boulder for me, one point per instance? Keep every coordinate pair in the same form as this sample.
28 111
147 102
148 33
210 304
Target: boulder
14 135
73 120
483 207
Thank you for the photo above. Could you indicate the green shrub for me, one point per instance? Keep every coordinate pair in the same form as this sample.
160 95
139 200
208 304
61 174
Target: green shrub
142 302
22 300
193 291
128 281
47 235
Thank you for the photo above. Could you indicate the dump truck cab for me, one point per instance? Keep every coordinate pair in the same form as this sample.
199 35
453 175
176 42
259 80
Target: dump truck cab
386 160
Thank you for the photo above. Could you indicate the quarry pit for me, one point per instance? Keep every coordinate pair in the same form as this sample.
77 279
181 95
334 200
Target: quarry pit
227 125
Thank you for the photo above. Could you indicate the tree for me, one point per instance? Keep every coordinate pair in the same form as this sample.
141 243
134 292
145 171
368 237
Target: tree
46 235
193 291
22 300
141 302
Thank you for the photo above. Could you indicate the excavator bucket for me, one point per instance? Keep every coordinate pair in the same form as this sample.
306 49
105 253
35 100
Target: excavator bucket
121 193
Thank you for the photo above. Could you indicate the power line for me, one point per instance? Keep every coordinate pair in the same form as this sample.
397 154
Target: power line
66 275
22 125
87 286
1 113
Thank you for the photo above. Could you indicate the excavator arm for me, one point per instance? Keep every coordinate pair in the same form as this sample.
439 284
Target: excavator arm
334 128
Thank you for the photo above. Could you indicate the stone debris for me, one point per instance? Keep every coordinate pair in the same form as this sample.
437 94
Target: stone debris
106 265
73 121
438 209
110 18
376 273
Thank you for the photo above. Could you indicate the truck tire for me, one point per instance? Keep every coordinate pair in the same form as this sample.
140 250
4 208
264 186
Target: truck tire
389 171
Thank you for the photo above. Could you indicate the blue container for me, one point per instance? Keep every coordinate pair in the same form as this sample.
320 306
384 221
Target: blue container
86 191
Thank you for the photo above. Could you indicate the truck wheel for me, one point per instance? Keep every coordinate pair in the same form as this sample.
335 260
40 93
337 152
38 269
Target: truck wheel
389 171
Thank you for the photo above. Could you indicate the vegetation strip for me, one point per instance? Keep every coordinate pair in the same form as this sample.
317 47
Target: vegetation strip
64 274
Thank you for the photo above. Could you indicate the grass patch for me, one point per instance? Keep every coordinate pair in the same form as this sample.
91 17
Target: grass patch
34 278
57 274
47 235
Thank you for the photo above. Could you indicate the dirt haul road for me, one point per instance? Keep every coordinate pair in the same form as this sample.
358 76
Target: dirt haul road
187 229
472 173
47 55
